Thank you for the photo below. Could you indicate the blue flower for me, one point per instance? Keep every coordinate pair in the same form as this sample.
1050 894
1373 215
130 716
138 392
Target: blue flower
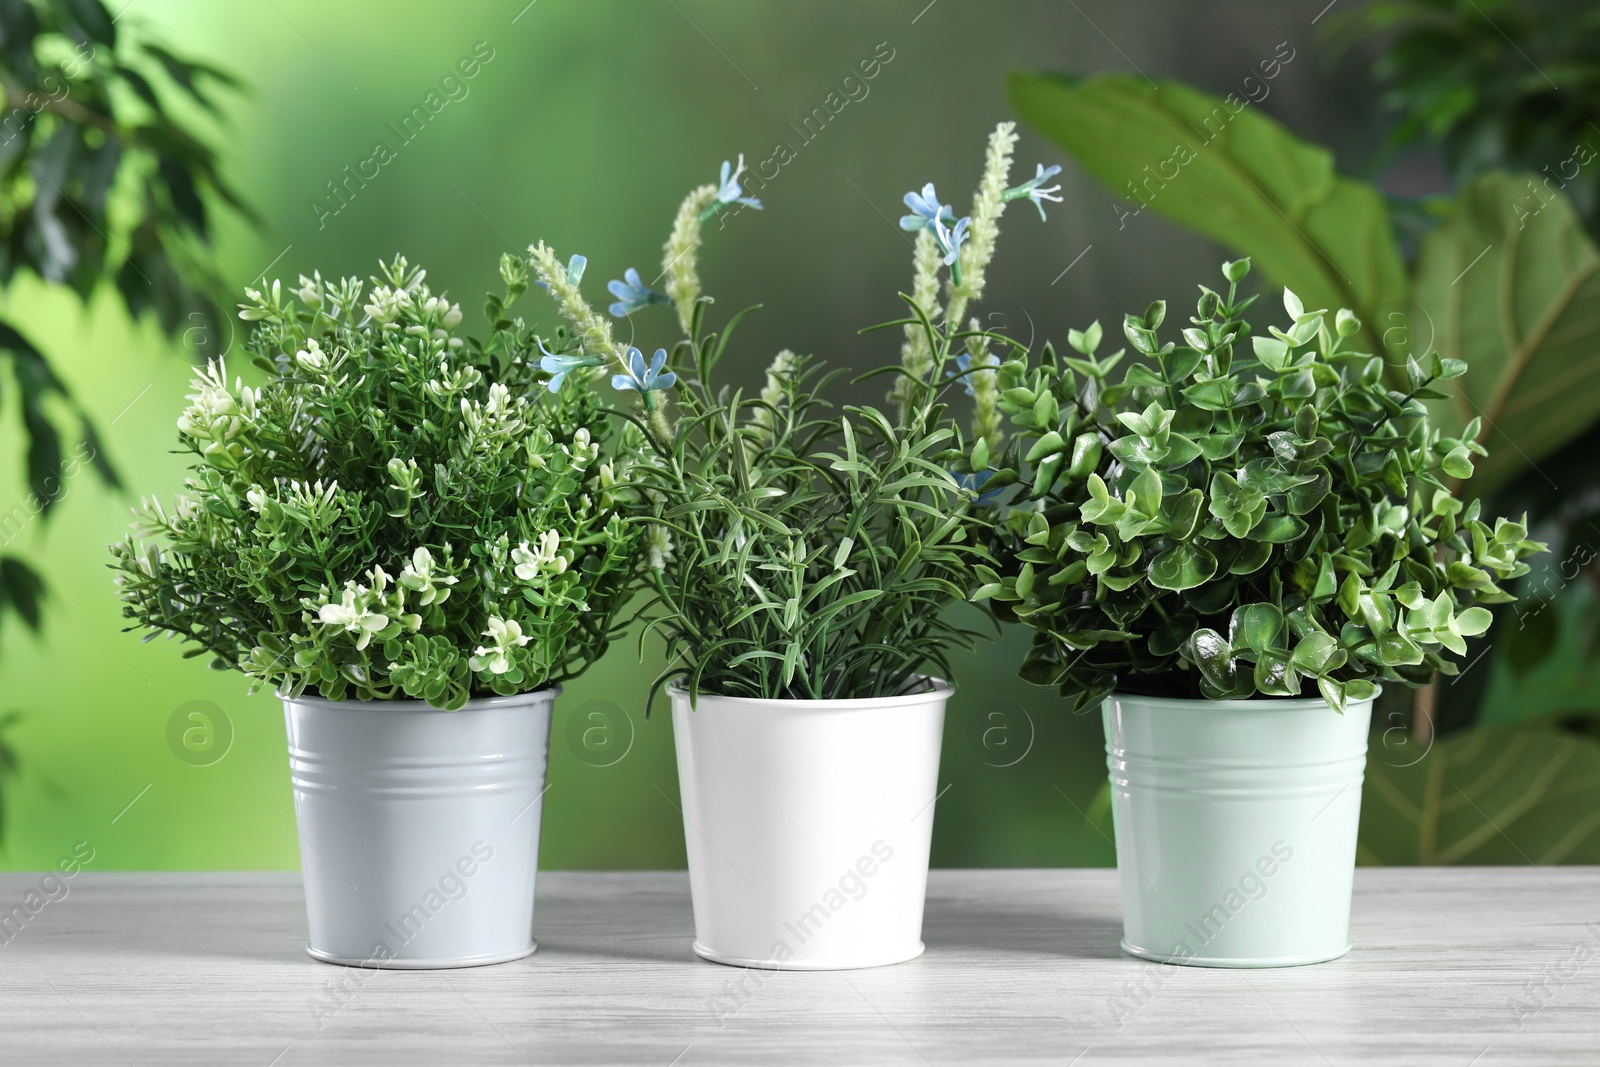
1033 188
575 267
729 191
925 208
975 483
642 379
964 364
951 239
559 366
632 294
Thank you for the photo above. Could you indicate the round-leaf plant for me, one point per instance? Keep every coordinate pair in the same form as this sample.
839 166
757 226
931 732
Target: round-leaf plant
397 511
1239 515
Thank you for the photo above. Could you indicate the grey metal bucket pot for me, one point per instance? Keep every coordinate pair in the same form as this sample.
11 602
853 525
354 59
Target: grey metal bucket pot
419 828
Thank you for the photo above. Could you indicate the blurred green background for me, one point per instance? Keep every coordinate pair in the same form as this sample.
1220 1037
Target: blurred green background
585 125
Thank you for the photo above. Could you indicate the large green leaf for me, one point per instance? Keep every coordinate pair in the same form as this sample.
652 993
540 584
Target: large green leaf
1511 284
1485 795
1224 169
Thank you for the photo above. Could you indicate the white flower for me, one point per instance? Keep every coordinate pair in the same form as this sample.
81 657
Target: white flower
499 417
354 614
310 291
496 658
418 577
385 304
313 360
446 382
658 542
780 373
583 450
213 413
312 496
775 394
499 401
257 497
530 563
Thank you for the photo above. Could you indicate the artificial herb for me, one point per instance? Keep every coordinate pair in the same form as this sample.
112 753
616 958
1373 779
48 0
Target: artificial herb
796 552
1239 514
397 511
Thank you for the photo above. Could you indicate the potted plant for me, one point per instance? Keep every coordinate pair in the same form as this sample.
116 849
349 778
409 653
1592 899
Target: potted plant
414 542
1232 546
802 563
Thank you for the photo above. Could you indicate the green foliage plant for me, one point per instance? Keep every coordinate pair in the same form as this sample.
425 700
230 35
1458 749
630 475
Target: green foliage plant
396 511
1239 514
1501 276
797 552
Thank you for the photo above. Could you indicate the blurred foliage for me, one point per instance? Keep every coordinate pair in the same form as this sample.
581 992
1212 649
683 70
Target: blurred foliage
1229 172
98 183
1517 297
1516 84
1494 794
1495 84
8 759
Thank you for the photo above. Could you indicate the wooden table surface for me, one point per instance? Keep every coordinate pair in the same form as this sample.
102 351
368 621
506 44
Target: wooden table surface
1477 967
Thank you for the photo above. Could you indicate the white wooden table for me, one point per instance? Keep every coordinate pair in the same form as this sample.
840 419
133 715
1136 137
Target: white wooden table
1477 967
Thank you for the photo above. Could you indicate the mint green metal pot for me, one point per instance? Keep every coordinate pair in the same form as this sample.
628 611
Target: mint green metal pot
1236 827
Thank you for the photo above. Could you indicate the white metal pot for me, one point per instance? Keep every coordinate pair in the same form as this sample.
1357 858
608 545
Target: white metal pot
419 828
1236 827
807 824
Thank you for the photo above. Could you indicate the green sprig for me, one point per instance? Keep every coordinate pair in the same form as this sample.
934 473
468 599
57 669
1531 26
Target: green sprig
397 511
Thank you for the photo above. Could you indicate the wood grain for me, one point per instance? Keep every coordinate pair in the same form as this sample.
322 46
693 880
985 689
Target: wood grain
1486 967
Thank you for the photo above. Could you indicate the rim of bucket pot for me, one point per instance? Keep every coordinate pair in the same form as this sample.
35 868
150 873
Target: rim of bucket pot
476 703
938 687
1271 704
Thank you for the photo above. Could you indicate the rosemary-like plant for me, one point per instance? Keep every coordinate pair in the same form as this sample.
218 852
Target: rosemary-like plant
797 553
